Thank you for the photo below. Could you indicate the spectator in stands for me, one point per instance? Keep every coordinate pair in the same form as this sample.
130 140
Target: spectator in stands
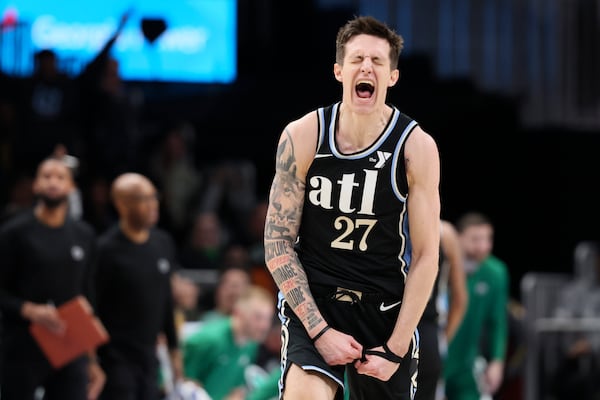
218 355
135 265
487 314
186 293
236 255
206 243
97 208
45 113
173 168
230 191
264 383
110 114
233 281
47 259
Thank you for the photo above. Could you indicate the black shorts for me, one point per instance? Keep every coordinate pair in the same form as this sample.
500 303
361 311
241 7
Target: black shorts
371 327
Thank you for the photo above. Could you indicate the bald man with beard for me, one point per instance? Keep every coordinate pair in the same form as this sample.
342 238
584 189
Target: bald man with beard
134 298
46 259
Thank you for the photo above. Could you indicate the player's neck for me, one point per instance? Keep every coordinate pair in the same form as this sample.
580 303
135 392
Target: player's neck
51 216
357 131
135 234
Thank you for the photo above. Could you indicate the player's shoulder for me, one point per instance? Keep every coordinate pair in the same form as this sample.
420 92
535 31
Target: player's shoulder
299 139
420 136
306 124
420 145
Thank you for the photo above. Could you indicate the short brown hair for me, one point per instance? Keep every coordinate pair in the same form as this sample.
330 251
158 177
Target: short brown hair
472 218
368 26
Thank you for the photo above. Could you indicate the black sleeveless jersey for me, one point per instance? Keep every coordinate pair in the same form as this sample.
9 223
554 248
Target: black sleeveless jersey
354 231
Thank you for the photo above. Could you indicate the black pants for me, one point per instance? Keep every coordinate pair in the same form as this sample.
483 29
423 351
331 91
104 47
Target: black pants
21 378
126 380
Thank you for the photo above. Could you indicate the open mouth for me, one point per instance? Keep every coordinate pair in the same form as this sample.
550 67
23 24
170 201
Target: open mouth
364 89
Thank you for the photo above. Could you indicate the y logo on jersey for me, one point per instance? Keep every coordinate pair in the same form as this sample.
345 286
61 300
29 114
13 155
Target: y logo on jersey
382 157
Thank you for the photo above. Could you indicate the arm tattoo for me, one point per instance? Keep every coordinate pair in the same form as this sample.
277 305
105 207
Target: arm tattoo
281 229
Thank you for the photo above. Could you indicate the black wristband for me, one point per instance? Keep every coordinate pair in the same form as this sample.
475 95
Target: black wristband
391 355
318 335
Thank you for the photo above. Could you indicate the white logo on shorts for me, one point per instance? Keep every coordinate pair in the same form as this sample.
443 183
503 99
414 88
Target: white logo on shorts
383 307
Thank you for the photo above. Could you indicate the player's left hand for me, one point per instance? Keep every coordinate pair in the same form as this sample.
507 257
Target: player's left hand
376 366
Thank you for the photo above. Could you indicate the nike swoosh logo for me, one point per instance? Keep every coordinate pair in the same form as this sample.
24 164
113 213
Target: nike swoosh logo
323 155
383 307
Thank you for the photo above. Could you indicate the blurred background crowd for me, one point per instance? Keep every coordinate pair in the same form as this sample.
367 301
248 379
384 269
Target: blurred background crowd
508 88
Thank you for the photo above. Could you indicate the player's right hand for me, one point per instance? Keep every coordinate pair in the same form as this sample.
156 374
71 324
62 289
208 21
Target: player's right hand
338 348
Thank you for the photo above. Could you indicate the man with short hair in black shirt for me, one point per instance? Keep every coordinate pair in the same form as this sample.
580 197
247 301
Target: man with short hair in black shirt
46 259
134 295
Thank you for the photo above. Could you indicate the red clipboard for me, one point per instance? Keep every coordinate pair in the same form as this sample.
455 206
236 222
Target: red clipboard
84 332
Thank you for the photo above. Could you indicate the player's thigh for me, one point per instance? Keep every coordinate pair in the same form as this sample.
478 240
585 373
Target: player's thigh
308 385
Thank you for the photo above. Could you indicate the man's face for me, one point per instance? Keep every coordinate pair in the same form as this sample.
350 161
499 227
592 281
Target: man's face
233 283
143 206
366 72
257 319
53 183
477 241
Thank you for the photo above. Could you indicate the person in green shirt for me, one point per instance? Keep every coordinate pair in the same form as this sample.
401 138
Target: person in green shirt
218 354
267 388
483 332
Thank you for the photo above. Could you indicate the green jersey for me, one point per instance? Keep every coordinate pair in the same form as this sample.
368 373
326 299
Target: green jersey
267 388
486 314
211 357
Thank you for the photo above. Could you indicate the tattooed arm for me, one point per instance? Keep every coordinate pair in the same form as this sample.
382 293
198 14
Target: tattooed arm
283 221
295 152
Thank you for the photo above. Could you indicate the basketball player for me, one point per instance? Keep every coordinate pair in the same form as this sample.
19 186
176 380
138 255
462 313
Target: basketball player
352 231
